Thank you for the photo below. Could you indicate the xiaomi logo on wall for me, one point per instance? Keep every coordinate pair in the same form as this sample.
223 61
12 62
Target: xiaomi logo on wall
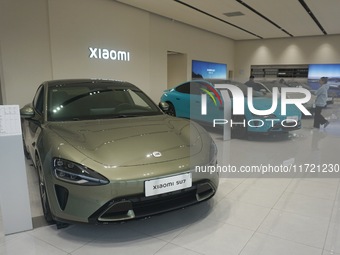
108 54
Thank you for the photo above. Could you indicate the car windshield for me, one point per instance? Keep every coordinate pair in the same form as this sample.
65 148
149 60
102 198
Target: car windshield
273 84
97 101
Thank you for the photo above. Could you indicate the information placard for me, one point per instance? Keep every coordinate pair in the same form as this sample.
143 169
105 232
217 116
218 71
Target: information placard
9 120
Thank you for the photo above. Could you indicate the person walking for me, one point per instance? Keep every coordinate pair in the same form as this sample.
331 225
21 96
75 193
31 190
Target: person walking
320 103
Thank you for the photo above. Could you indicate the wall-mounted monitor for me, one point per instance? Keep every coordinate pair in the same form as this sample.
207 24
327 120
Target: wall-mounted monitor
316 71
208 70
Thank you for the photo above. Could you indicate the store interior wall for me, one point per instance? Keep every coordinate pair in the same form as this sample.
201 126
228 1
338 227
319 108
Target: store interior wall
100 24
289 51
167 34
177 69
45 40
50 39
25 48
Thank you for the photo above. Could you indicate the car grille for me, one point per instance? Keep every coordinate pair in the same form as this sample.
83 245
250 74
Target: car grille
139 206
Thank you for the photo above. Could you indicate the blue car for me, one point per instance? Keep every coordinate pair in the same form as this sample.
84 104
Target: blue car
185 100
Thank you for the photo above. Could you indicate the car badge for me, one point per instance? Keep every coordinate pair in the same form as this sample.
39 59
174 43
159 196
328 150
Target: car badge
157 154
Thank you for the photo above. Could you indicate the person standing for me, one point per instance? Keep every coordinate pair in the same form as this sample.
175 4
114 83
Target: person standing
320 103
251 81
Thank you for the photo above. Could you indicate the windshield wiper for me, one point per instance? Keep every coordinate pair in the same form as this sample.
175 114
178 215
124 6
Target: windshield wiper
124 116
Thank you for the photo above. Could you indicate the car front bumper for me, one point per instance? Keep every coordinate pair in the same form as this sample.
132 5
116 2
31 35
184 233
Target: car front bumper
124 200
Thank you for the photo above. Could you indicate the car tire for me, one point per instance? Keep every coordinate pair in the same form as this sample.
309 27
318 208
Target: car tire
26 153
43 194
171 111
239 131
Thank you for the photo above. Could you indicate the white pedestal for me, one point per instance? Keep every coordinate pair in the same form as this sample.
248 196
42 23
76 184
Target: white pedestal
14 198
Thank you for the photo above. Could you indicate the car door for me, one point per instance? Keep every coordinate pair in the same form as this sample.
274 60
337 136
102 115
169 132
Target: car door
180 98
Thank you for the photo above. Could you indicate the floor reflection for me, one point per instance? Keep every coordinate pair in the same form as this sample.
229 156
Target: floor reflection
300 149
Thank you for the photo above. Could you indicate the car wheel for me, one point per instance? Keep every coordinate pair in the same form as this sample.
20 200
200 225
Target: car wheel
43 194
171 111
239 130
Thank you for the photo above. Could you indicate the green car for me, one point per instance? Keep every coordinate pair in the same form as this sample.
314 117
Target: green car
104 152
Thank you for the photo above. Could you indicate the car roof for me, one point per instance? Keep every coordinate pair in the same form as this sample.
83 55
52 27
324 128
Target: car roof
53 83
220 81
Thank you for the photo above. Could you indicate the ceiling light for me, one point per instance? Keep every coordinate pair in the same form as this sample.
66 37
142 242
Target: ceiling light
233 14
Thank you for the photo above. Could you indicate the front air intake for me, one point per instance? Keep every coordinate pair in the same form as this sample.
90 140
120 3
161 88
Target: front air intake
119 211
204 191
62 196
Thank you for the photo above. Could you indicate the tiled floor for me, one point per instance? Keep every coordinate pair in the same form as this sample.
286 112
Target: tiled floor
248 215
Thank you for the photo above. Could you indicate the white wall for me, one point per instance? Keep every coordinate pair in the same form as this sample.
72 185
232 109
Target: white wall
50 39
302 50
25 48
168 35
177 69
79 24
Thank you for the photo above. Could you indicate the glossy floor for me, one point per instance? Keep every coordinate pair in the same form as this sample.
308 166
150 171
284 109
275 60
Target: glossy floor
286 214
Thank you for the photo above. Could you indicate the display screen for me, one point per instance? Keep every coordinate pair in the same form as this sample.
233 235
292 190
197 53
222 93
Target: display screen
316 71
208 70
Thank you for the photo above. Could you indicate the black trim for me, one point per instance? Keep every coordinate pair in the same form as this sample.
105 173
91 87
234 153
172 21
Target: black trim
308 10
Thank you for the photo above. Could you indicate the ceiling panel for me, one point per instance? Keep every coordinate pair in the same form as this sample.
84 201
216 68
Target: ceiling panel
328 14
288 14
257 21
179 12
249 21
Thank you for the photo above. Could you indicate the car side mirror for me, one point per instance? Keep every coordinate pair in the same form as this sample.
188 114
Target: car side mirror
27 112
164 106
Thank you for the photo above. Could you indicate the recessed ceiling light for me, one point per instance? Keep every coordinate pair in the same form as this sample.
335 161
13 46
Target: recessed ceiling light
233 14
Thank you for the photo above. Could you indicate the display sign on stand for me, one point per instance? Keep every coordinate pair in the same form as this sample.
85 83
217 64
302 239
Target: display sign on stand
226 114
14 198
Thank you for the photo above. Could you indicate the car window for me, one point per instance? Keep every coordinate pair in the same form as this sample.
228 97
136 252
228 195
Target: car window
184 88
257 86
83 102
192 87
196 88
38 101
240 85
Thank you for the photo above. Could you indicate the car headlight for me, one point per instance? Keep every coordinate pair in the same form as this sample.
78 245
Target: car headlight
69 171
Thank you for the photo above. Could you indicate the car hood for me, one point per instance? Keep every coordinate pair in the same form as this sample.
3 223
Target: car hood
132 141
